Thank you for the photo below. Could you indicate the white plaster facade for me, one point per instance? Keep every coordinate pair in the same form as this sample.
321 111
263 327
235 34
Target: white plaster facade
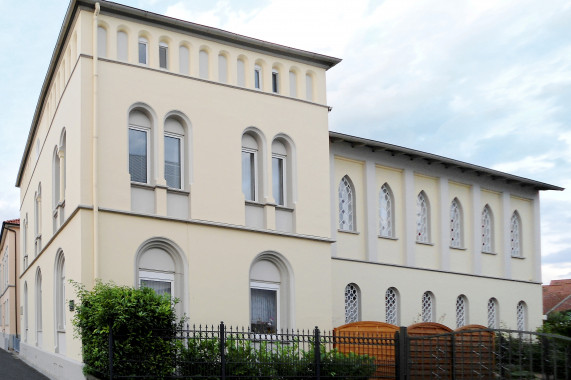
124 81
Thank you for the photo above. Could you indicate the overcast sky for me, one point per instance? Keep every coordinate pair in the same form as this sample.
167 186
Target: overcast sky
486 82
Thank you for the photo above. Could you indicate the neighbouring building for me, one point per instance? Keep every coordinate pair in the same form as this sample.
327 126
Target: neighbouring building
557 296
199 162
9 272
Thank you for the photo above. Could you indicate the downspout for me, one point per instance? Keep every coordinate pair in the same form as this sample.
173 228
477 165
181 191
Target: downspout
15 279
95 144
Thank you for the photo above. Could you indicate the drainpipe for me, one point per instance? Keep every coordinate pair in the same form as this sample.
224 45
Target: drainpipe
95 146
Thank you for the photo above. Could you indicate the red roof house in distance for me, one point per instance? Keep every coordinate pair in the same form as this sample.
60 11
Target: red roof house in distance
557 296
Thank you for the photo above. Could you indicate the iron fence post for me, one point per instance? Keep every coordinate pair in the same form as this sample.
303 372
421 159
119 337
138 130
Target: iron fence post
452 357
317 352
111 351
222 334
401 357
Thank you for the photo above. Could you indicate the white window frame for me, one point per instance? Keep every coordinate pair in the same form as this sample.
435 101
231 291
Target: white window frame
431 307
422 230
351 225
148 133
145 42
164 46
386 230
456 220
358 302
516 236
267 286
258 77
255 174
181 156
158 276
275 81
284 177
487 212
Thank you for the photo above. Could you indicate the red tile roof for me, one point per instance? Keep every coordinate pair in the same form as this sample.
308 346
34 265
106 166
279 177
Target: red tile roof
557 296
13 221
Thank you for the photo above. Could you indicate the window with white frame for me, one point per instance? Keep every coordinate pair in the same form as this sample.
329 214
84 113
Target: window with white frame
515 235
352 303
139 147
258 77
279 162
174 148
461 311
264 307
160 282
456 224
25 242
163 55
392 306
39 313
386 212
250 167
38 220
143 51
275 81
422 218
346 205
427 307
60 292
487 230
521 316
55 188
122 46
493 313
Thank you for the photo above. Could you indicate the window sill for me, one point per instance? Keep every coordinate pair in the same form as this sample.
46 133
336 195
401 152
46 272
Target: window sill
284 208
142 185
425 243
177 191
388 238
459 248
489 253
349 232
255 204
518 258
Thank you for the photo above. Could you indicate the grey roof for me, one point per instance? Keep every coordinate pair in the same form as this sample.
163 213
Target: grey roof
336 137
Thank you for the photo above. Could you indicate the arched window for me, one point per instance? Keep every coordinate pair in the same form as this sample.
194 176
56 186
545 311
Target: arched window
163 55
143 51
521 316
456 224
427 309
461 311
55 188
241 72
352 303
101 42
250 165
282 171
270 294
26 307
422 218
392 307
184 60
222 68
203 63
59 296
346 205
293 84
25 242
174 152
39 312
122 46
309 87
515 235
161 266
275 81
257 77
140 146
493 313
487 230
386 212
38 219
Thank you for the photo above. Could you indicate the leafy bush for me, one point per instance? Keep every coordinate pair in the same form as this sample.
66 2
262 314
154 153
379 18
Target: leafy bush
558 322
144 327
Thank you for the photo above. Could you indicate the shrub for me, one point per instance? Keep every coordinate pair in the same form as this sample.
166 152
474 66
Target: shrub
143 323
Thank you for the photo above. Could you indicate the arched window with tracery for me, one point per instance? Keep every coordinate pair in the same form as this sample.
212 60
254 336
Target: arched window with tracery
461 311
392 306
422 218
487 230
352 303
493 313
59 296
386 212
427 310
515 235
521 314
39 313
456 227
346 205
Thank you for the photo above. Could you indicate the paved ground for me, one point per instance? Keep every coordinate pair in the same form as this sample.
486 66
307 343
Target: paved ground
12 368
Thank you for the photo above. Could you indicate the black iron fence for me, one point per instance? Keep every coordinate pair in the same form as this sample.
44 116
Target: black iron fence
221 352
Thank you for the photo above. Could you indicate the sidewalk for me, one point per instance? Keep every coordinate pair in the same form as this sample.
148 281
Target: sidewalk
12 368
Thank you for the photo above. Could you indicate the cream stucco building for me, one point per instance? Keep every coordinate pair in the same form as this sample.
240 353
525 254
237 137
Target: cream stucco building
199 162
10 327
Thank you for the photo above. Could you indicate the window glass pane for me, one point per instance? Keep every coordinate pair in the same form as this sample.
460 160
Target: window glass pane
138 155
163 56
172 162
264 310
257 78
248 176
275 82
278 179
160 287
142 53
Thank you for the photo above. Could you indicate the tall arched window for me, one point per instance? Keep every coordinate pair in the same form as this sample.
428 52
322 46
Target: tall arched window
515 235
26 307
422 218
270 294
487 230
352 303
143 51
309 87
257 77
456 224
101 41
122 46
174 152
222 68
241 71
60 317
493 313
140 146
183 60
427 307
521 315
203 63
282 171
346 205
55 188
38 219
163 55
293 84
392 307
461 311
386 212
39 313
251 162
